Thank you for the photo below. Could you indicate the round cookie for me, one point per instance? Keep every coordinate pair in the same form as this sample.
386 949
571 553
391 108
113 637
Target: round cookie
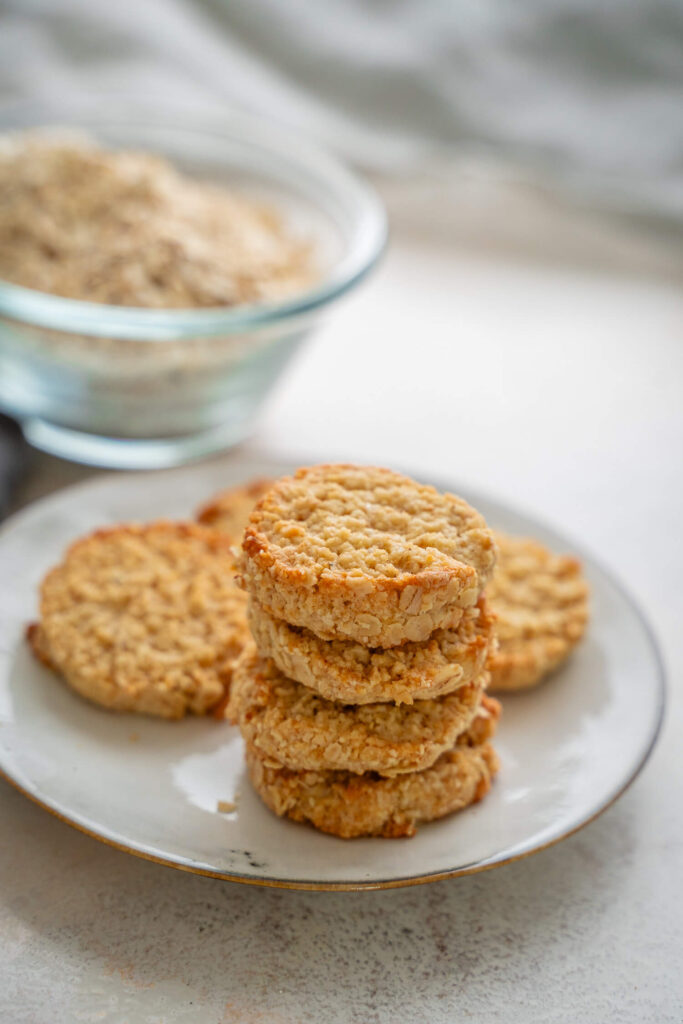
144 618
229 511
344 670
360 553
349 805
540 601
300 729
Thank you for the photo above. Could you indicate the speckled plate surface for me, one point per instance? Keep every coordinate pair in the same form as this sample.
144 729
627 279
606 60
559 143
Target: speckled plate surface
568 749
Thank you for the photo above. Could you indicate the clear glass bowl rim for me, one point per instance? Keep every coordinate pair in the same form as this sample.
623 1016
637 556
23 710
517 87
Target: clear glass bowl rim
367 242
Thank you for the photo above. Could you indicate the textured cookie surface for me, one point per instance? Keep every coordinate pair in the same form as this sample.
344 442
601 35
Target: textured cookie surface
541 604
229 511
356 552
144 618
344 670
349 805
297 727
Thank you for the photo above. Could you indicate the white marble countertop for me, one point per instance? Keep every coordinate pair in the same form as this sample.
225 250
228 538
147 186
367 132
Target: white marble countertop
552 384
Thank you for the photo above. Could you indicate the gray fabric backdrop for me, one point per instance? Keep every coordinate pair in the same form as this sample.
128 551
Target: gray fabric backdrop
585 96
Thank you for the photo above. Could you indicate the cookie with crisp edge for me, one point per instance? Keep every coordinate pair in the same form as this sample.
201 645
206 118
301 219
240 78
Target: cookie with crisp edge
540 601
144 618
362 553
300 729
344 670
348 805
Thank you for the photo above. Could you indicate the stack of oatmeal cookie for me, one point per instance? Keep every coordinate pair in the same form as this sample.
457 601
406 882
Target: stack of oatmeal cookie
539 599
362 699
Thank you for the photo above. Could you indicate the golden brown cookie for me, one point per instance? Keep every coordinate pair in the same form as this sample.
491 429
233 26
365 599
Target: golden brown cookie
355 552
230 510
344 670
300 729
144 618
349 805
540 601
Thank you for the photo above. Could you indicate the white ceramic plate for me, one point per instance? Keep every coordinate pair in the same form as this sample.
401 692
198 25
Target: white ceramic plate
568 749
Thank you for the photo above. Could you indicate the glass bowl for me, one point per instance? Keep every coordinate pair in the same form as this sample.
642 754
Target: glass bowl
138 388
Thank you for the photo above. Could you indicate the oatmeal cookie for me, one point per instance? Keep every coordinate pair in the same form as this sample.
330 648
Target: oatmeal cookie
355 552
349 805
347 671
541 605
144 618
229 511
297 727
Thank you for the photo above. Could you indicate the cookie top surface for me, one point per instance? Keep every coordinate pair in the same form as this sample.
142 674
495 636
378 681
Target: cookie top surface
344 670
303 730
540 601
360 526
348 805
230 510
145 617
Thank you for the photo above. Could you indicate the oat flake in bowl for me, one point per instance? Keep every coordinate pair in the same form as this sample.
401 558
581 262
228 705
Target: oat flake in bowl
128 229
